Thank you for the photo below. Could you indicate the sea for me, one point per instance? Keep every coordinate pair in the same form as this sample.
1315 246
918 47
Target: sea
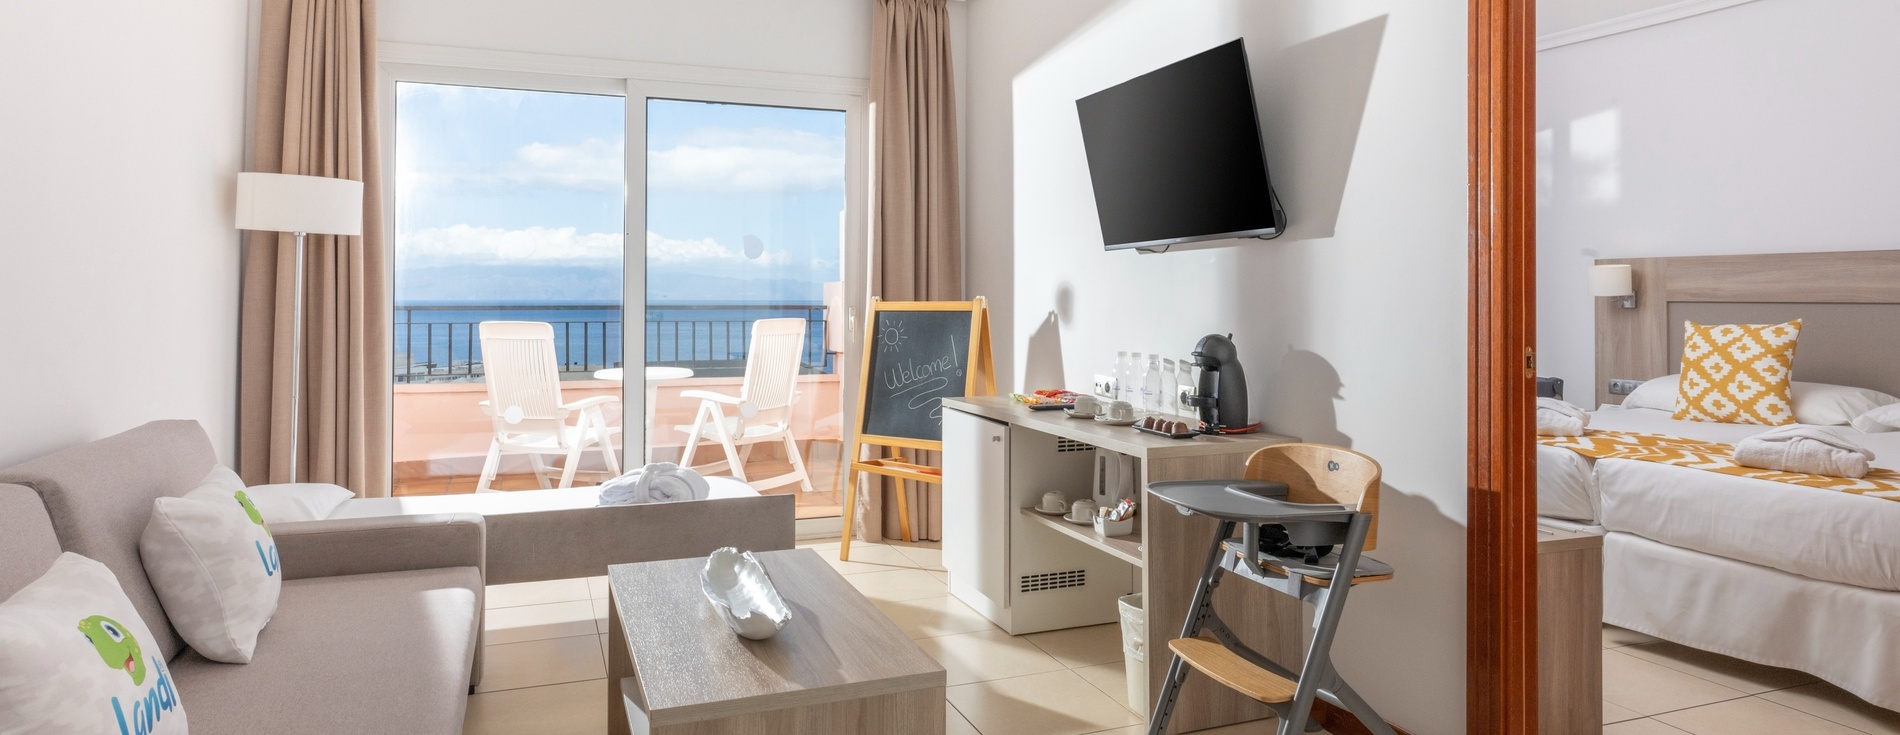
440 340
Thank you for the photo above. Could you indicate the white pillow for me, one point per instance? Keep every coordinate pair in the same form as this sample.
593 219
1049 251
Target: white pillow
1659 394
1883 419
75 660
212 562
284 503
1816 404
1820 404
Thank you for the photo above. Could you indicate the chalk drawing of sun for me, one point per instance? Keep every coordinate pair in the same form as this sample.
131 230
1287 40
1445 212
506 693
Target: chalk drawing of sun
890 337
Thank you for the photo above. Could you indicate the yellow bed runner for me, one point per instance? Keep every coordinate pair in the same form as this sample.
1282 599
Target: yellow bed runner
1714 457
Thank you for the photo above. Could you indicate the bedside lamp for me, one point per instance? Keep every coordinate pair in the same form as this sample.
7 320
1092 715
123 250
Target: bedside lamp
1614 281
298 204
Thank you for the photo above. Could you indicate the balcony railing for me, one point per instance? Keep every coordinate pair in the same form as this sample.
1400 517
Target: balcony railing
442 342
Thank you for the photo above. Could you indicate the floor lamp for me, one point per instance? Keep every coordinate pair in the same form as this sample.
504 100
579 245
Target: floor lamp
303 205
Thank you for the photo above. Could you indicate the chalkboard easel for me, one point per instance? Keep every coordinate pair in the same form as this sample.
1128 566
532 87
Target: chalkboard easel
916 353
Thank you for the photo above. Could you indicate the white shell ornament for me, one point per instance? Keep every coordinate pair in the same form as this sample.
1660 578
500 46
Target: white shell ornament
739 589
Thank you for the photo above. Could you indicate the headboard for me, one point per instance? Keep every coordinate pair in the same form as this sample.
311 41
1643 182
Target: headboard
1849 304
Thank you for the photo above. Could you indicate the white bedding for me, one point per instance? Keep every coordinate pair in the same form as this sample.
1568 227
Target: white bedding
516 501
1566 480
1841 633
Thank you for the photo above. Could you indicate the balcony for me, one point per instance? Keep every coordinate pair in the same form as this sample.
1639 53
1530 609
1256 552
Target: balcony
441 435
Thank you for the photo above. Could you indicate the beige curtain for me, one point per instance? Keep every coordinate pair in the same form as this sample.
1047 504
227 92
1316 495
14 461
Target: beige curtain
916 228
316 115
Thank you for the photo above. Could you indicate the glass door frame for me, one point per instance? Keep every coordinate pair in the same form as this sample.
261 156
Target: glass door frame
854 261
639 82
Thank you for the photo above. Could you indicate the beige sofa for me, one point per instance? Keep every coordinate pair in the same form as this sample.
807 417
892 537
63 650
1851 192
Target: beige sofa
377 628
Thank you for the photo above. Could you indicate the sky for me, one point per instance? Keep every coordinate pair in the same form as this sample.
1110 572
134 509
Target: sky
509 196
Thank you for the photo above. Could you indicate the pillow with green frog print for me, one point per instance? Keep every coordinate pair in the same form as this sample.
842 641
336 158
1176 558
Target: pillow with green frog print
211 559
75 659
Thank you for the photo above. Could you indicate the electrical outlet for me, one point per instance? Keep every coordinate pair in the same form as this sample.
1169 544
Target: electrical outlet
1105 386
1623 387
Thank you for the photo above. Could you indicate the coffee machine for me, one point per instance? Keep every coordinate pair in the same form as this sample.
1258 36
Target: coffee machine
1221 395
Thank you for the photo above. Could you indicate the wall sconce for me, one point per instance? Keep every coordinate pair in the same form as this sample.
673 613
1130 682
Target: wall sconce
1616 281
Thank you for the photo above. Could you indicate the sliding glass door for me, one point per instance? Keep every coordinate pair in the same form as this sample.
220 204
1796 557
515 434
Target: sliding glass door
509 209
745 230
730 308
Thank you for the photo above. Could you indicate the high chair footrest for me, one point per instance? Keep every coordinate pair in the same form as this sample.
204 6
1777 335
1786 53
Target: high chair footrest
1209 657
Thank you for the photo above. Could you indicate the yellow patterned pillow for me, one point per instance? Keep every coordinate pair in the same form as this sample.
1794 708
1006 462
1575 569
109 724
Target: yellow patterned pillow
1737 373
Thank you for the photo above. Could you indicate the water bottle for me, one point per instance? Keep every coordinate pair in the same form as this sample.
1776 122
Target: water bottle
1184 385
1119 391
1151 383
1169 398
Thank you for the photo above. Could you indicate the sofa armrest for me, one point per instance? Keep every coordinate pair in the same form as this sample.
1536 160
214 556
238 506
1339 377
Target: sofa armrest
330 548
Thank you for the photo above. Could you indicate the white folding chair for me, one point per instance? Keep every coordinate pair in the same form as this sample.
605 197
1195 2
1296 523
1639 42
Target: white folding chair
524 405
763 407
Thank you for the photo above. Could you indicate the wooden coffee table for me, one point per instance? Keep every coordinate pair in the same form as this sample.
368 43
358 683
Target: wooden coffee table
839 666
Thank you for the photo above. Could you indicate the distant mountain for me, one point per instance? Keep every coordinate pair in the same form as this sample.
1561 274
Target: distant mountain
518 284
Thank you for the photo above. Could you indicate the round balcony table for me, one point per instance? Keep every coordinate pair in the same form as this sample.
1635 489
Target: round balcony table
655 374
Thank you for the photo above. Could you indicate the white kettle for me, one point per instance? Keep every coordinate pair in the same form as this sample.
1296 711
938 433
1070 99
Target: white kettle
1116 477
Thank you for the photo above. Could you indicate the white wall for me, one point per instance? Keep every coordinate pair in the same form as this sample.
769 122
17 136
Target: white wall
1763 128
826 37
1352 326
122 135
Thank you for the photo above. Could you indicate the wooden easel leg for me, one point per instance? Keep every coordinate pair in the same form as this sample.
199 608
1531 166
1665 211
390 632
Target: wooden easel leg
850 507
903 512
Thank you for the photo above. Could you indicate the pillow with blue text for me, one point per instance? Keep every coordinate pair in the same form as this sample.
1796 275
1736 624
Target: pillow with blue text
73 659
213 563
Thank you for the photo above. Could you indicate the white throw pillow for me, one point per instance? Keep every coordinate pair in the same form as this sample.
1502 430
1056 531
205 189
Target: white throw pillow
212 561
1821 404
1880 420
1816 404
73 658
287 502
1659 394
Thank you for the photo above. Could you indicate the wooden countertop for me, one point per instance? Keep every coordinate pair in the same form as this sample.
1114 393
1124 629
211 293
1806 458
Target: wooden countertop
1124 439
689 666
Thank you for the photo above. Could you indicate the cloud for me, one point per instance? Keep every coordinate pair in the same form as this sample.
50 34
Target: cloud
663 250
723 160
472 245
592 164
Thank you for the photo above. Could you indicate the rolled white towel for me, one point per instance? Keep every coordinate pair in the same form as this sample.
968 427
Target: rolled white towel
671 483
627 489
1557 418
1809 450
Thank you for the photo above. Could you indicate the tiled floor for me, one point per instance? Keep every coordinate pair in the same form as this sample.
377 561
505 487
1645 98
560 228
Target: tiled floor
547 666
1653 687
547 657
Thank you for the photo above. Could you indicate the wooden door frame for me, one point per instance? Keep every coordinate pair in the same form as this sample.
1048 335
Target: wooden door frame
1501 552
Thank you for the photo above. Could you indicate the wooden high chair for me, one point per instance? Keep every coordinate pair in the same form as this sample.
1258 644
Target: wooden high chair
1322 496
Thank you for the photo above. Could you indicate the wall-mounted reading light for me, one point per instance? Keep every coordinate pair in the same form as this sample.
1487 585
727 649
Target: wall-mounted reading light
1614 281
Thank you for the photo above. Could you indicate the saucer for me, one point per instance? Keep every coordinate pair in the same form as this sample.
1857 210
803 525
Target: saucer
1088 520
1070 412
1047 512
1104 419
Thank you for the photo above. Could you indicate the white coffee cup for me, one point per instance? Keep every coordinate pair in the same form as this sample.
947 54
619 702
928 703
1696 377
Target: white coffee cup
1054 502
1083 406
1082 509
1119 411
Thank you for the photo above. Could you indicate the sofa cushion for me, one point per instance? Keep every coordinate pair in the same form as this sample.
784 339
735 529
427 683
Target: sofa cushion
385 652
214 565
76 659
99 495
27 545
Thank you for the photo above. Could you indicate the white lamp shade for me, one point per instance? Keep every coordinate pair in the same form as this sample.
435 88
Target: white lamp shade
318 205
1611 280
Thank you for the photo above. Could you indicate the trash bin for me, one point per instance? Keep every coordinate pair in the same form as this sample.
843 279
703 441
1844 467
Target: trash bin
1134 652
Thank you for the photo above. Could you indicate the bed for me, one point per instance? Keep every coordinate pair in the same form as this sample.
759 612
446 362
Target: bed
1779 574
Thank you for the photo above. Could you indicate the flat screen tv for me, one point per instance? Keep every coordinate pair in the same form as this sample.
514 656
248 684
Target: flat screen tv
1175 155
